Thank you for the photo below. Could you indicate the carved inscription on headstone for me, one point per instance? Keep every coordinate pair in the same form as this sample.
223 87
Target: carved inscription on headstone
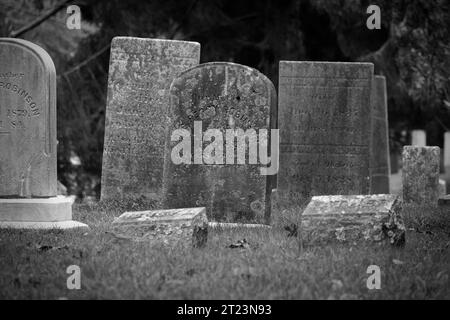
27 120
324 122
140 74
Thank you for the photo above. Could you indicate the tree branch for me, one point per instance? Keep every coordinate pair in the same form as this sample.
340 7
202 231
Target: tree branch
39 20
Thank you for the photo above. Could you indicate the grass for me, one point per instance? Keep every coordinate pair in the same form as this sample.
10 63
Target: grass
33 264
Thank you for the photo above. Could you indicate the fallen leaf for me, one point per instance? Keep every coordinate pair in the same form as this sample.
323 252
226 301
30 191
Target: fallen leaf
397 262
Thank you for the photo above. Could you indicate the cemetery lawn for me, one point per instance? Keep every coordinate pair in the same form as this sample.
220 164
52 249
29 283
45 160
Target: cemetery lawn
33 264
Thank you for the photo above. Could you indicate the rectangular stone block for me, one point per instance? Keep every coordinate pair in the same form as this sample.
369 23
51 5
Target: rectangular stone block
27 120
353 218
324 120
444 201
379 139
420 175
187 224
140 74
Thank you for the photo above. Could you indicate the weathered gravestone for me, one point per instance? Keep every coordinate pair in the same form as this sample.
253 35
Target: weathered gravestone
447 152
379 139
442 187
219 170
28 185
354 218
188 224
420 175
418 138
140 74
324 121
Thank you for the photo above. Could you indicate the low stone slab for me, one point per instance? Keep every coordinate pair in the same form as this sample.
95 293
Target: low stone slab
373 218
165 225
42 213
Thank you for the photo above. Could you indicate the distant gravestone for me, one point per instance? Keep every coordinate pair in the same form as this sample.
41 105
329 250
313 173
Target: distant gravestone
442 187
140 74
188 224
379 143
418 138
447 152
324 121
373 218
28 182
444 201
420 175
228 98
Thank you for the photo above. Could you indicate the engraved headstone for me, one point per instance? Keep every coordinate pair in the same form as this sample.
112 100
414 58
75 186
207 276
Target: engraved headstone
324 121
373 218
379 143
28 182
187 224
447 152
418 138
140 74
221 168
420 175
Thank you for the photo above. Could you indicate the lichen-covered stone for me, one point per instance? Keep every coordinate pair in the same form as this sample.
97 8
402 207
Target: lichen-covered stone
324 122
220 96
168 226
420 175
27 121
140 74
350 219
379 140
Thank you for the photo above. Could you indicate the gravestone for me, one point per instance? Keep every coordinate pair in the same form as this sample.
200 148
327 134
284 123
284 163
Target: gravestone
444 201
187 224
418 138
28 186
140 74
420 175
447 152
324 121
220 171
354 218
379 143
442 187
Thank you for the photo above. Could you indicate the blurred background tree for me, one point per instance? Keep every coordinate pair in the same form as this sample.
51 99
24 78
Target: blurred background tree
412 49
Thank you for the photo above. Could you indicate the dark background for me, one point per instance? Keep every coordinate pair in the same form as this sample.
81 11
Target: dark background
412 49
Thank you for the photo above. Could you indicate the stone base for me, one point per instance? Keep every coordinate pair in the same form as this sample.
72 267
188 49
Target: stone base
63 225
42 213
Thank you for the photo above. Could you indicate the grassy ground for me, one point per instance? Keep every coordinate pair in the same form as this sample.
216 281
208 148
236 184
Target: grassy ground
33 264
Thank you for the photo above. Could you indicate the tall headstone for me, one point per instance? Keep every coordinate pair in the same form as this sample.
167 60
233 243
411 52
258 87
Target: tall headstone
418 138
219 170
447 152
324 120
379 143
420 175
28 183
140 74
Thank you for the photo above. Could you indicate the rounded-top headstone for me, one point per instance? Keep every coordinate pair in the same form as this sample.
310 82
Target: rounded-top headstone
226 97
27 120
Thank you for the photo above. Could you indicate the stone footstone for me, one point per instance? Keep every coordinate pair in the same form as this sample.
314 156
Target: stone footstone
44 213
140 73
420 175
168 226
354 218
